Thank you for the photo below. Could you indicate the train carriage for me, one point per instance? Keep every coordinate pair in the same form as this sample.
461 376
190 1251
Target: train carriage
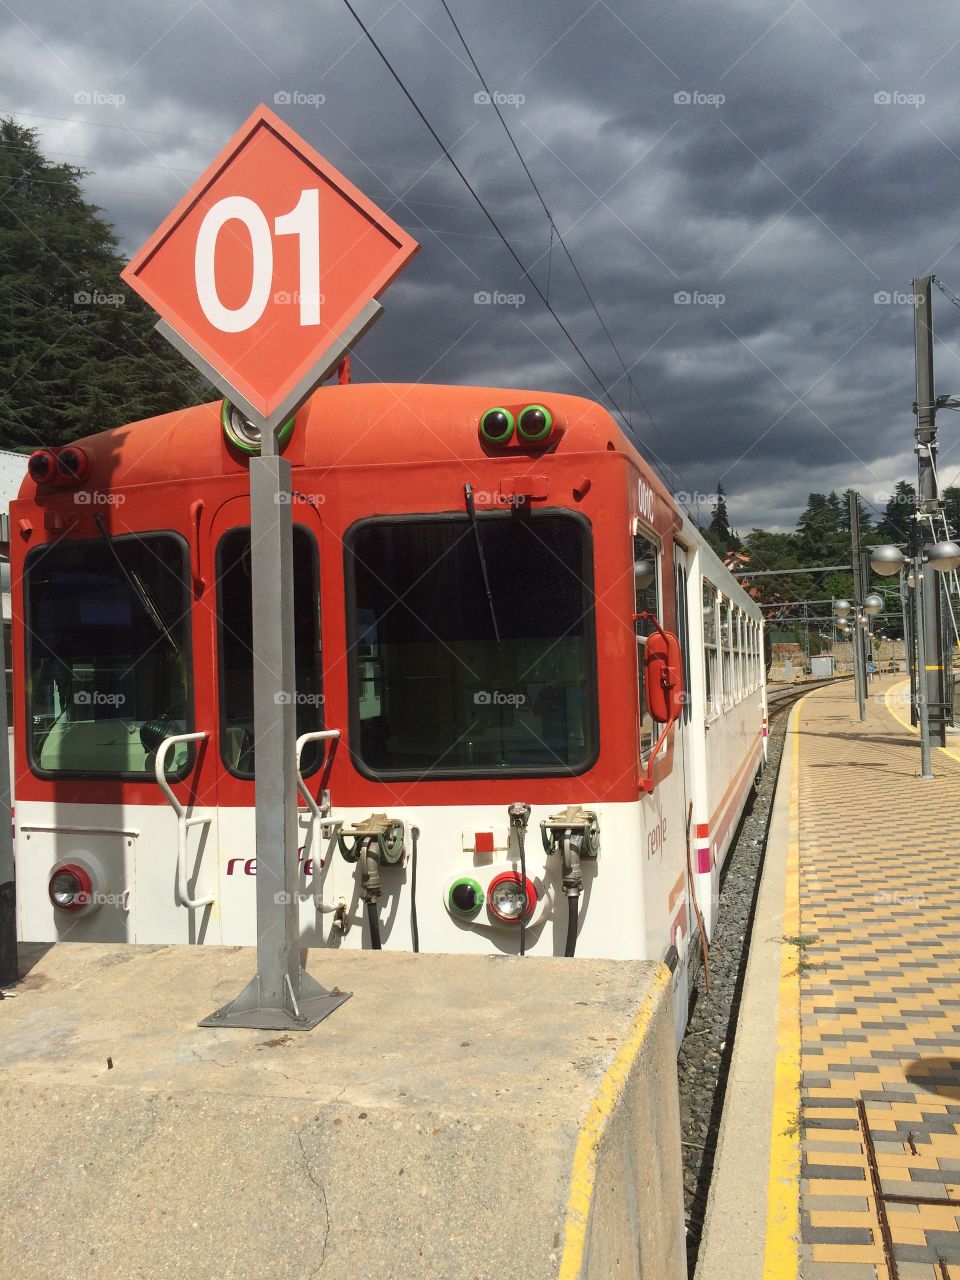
529 698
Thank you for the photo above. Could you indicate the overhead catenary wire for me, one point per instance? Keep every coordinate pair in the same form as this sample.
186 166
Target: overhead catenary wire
503 238
554 229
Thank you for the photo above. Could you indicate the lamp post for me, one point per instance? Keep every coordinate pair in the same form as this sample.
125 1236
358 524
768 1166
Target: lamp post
853 627
942 557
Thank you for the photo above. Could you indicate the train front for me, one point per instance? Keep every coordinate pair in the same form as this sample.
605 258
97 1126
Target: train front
466 639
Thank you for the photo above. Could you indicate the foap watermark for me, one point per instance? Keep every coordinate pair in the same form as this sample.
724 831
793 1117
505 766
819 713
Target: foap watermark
97 498
283 297
498 698
97 98
284 699
97 698
894 98
293 499
686 298
902 698
696 498
497 298
97 298
885 898
694 98
883 298
100 899
298 98
493 498
496 98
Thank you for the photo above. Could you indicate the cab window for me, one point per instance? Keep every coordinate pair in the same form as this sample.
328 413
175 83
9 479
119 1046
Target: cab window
433 689
108 655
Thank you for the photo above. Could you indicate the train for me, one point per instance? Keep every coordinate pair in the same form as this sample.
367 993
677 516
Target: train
530 699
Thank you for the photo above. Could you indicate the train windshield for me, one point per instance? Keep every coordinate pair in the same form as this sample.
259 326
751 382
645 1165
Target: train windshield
236 649
107 646
433 689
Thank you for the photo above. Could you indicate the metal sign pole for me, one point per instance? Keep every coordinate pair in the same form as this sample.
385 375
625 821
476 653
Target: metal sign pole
281 996
926 769
859 651
929 504
9 972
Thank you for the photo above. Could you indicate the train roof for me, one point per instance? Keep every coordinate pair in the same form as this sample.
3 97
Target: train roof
358 424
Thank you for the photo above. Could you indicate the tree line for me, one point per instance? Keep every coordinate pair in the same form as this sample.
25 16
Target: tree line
78 348
821 538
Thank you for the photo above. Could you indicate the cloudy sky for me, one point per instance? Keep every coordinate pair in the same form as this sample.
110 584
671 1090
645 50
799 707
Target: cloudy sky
747 189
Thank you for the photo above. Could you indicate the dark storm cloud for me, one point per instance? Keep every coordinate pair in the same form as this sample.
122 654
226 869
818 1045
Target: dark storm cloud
781 166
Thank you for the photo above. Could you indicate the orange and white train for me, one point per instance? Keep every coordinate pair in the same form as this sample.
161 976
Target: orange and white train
540 694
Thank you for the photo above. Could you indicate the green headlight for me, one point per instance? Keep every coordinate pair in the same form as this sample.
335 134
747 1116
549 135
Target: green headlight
535 423
244 435
465 897
497 426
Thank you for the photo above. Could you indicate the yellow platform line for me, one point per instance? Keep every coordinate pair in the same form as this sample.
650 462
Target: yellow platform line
896 689
781 1250
584 1174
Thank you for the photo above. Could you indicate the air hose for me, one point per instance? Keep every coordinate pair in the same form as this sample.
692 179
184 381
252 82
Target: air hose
374 923
519 817
414 926
573 903
370 890
572 886
521 838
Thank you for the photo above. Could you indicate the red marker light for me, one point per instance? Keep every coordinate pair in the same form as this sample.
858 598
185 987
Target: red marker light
70 887
506 897
73 463
42 466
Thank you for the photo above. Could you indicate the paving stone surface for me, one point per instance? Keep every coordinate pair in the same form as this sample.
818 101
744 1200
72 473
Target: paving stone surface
879 962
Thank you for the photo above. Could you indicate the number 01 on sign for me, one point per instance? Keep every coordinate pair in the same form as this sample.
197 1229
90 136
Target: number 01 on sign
269 269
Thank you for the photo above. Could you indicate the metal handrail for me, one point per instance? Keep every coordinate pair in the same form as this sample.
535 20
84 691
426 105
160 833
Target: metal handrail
317 813
183 822
318 735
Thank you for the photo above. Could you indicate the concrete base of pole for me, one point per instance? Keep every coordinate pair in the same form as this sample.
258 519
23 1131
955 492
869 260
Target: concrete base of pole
312 1005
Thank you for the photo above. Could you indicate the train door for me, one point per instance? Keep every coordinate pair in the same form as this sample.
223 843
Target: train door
230 534
684 922
662 758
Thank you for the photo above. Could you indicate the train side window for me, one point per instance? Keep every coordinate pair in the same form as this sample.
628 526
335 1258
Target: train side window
647 599
109 671
711 675
235 648
741 656
683 631
726 641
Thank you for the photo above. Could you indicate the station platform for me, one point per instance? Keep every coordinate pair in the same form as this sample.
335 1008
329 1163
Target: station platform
459 1117
839 1150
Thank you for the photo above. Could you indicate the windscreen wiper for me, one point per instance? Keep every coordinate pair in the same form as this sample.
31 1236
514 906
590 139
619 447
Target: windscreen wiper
139 590
472 513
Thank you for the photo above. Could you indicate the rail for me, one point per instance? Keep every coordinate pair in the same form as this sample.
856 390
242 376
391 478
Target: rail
183 821
779 697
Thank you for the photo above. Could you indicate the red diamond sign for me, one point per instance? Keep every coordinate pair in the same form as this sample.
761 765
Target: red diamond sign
268 269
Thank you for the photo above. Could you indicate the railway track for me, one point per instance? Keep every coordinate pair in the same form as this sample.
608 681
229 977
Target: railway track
782 697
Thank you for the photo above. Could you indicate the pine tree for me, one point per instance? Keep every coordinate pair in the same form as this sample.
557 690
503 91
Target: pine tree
894 524
78 348
718 533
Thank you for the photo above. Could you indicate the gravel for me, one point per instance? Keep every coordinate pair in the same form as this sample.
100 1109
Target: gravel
704 1058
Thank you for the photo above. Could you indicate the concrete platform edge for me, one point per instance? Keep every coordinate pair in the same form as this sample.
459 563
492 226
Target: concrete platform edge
756 1172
